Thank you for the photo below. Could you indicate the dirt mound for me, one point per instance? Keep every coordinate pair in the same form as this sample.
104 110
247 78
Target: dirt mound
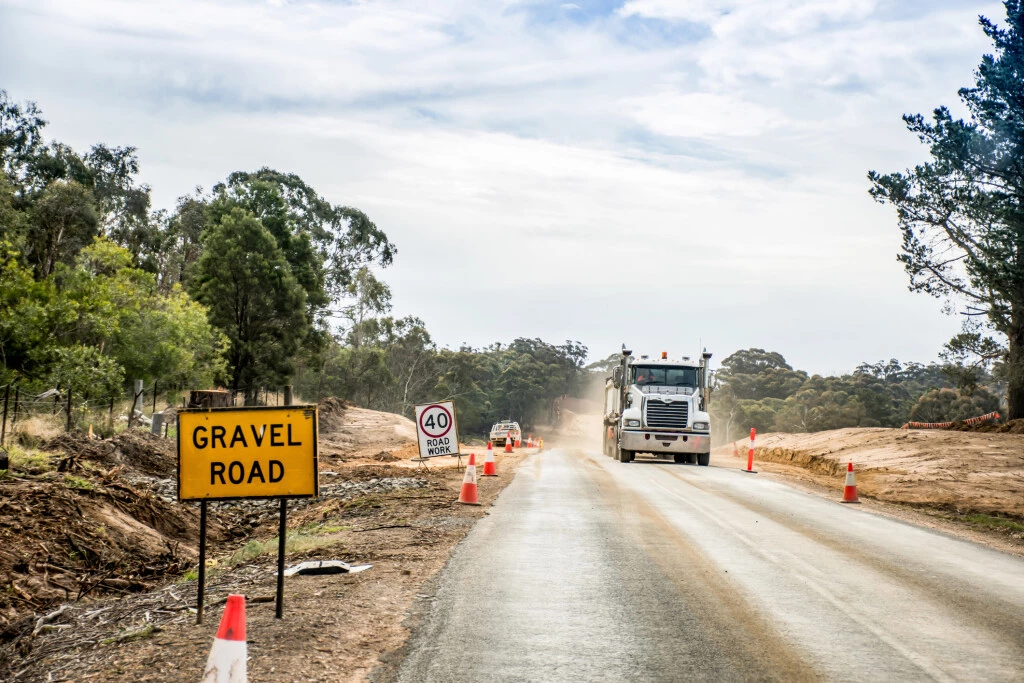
349 432
64 537
331 413
1008 427
957 471
138 450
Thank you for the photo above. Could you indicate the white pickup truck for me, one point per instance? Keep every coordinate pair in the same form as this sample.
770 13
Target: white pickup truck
502 429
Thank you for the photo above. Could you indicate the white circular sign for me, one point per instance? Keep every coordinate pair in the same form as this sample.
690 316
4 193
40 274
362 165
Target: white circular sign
436 421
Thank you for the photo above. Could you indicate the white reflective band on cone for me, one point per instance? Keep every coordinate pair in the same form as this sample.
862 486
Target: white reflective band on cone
470 477
849 479
226 663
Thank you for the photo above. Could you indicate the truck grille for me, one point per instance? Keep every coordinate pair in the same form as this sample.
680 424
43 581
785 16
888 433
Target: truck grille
667 415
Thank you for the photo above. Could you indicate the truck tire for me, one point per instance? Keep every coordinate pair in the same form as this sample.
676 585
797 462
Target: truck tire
680 458
625 456
704 459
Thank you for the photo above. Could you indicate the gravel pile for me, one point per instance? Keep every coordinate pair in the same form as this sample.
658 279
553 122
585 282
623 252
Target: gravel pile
252 513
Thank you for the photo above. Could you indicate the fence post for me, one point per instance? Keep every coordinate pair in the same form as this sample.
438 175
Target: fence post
56 398
137 400
3 429
154 397
68 428
17 406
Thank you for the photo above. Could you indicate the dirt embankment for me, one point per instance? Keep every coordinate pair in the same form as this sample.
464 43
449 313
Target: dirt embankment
962 472
94 538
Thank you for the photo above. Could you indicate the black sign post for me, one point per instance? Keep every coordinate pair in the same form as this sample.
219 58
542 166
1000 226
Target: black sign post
281 531
202 561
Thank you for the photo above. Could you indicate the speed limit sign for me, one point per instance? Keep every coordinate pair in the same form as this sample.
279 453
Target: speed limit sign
437 430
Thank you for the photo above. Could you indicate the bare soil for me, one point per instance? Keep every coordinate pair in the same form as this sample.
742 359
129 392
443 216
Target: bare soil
118 523
974 477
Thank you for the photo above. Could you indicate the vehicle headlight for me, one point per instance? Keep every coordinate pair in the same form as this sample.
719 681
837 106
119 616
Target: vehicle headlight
632 423
700 425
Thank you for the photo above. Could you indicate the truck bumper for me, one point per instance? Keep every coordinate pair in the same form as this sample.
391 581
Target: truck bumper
659 442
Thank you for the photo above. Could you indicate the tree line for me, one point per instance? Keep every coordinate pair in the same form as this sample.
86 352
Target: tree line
258 282
758 388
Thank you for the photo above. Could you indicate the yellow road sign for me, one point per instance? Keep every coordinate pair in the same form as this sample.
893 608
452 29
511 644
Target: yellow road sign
228 453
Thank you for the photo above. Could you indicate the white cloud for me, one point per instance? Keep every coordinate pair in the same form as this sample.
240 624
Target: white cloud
709 182
702 115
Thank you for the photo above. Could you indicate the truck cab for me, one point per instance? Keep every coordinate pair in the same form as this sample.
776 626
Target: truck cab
659 406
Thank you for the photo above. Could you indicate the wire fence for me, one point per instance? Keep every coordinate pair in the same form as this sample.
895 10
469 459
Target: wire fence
45 414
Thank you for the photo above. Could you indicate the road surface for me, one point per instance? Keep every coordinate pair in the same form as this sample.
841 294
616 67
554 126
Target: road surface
590 569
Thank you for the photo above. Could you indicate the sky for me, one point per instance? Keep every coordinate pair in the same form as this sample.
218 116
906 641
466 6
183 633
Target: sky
655 172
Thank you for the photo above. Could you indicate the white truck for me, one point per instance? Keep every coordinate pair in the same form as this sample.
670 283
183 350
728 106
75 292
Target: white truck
658 406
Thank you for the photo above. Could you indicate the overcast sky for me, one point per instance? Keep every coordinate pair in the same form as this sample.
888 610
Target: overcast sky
657 172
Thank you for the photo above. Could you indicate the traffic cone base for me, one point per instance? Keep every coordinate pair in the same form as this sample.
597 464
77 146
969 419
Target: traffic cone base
850 488
227 661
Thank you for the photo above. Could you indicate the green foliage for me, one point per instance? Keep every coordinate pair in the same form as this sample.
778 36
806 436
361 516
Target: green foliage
78 483
396 366
246 283
62 221
770 396
962 212
945 405
95 287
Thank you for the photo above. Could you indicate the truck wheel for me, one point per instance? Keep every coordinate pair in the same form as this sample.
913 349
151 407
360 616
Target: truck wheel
703 459
680 458
625 456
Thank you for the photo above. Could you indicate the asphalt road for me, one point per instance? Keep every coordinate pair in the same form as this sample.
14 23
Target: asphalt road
590 569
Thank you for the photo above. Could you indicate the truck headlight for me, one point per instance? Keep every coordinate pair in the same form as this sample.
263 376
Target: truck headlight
632 423
700 425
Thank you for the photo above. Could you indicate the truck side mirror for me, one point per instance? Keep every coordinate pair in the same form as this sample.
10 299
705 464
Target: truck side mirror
617 377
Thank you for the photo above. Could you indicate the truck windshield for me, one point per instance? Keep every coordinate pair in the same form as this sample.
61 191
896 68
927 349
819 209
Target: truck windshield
663 377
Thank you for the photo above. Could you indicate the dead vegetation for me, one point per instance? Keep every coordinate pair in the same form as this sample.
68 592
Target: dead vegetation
1008 427
71 527
97 560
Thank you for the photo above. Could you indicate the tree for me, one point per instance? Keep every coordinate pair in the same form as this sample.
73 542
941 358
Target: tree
344 238
945 405
370 298
21 136
962 213
246 283
63 220
122 205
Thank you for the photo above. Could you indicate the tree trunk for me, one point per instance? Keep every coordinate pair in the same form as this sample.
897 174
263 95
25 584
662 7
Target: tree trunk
1015 371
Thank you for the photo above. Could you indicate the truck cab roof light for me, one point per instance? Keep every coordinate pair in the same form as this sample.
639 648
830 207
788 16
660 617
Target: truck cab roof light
664 355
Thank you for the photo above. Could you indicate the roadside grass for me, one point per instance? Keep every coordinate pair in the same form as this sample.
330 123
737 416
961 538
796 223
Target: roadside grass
30 460
991 522
146 631
78 483
305 538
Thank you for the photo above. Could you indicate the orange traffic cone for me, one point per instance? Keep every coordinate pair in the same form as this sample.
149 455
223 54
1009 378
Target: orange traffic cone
508 444
227 657
490 470
469 494
519 443
850 490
